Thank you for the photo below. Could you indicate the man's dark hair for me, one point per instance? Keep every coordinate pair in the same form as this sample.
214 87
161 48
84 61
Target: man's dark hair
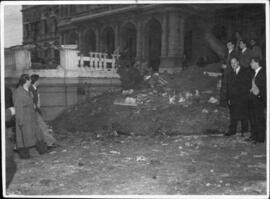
23 79
244 41
34 78
230 41
256 59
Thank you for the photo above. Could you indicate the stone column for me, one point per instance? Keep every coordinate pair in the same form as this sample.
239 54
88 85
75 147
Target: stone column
139 40
173 35
117 36
172 43
80 40
181 47
69 57
164 37
98 38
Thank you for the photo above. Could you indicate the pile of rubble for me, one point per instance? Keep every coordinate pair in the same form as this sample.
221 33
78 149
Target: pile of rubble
170 104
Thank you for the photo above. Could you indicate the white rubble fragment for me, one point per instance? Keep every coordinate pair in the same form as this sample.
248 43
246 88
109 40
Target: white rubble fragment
115 152
188 95
181 99
213 100
130 100
141 158
147 77
205 111
243 153
258 156
197 94
172 99
212 74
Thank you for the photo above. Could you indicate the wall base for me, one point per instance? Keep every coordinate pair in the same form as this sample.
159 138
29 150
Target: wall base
170 64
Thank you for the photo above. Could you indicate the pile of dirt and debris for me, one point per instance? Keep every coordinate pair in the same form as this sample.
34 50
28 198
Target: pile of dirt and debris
170 104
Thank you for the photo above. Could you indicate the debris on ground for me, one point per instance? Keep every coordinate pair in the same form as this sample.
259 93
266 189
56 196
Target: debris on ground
213 100
141 158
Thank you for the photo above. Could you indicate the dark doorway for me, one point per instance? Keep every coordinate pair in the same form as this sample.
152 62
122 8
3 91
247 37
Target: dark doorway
89 42
129 41
154 44
108 41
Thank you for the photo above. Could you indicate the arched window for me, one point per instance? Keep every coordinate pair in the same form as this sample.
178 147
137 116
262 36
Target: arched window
89 42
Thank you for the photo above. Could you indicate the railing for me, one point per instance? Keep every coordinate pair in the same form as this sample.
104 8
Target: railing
96 65
98 62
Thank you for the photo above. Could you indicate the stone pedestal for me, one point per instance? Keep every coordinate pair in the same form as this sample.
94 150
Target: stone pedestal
22 59
69 57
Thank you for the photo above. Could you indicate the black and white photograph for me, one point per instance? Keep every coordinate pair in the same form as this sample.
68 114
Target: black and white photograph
135 99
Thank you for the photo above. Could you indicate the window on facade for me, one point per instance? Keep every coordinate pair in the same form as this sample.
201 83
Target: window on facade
45 26
60 11
26 33
55 26
66 11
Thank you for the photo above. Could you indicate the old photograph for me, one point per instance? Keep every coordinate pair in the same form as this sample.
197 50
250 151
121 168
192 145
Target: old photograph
135 98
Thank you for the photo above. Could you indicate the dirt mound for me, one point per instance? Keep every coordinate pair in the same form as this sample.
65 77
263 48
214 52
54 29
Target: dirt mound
171 104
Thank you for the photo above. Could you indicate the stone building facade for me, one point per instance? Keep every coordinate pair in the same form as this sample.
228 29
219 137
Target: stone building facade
161 34
40 27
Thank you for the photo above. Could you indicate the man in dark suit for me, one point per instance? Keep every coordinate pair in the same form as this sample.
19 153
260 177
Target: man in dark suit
244 55
257 102
226 69
238 86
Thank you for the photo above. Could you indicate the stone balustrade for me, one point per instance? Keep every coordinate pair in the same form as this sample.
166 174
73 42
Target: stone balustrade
72 65
98 62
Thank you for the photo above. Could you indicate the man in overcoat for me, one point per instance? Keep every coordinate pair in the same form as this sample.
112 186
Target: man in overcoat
226 70
257 102
238 86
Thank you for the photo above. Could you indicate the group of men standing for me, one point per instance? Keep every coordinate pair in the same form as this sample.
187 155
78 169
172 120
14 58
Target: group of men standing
244 90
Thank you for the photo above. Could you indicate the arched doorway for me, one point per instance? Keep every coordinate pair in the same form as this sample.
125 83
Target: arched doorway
72 38
153 41
128 42
108 40
89 42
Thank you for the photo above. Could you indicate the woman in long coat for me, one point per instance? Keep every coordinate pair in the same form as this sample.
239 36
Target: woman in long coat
27 131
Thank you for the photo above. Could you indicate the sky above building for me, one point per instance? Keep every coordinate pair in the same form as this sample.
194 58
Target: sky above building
13 30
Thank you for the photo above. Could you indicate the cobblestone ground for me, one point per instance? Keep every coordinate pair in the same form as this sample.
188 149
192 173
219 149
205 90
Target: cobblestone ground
134 165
